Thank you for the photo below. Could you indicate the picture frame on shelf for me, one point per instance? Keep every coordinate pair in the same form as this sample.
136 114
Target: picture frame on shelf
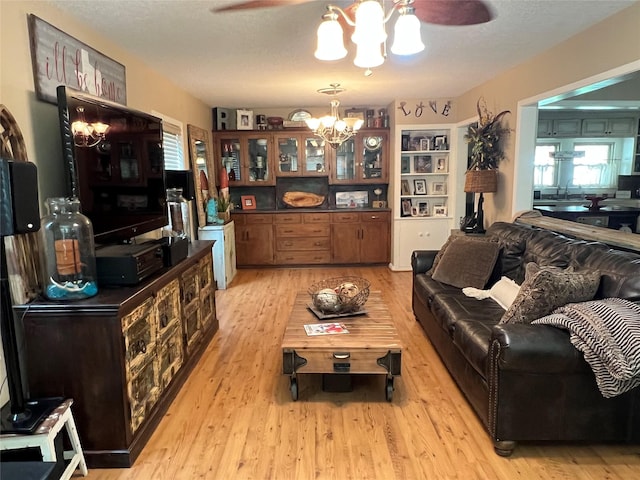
406 207
423 209
439 210
414 211
442 164
405 165
244 119
248 202
355 199
425 144
404 187
422 164
440 142
356 113
420 186
438 188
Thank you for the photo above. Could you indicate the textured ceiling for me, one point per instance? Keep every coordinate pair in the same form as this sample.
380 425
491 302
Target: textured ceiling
264 57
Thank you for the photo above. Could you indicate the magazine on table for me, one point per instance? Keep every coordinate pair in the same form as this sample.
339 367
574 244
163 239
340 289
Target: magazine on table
325 328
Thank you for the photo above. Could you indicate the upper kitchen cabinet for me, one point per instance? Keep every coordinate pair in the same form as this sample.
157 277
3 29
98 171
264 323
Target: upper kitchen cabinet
300 154
247 158
608 127
567 127
364 158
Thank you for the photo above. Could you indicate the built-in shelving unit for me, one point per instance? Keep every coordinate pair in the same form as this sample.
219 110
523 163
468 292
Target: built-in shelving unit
423 200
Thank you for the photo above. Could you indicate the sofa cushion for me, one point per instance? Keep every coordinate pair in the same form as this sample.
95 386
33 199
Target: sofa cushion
467 262
547 288
472 337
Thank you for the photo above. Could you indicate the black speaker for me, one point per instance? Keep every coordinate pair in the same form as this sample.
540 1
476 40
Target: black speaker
19 212
181 179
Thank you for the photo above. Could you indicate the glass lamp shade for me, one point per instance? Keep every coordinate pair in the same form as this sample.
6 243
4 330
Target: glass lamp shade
353 123
330 41
313 123
327 121
368 55
369 23
406 36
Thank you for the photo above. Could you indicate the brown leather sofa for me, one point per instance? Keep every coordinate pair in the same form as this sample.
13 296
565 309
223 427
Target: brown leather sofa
528 382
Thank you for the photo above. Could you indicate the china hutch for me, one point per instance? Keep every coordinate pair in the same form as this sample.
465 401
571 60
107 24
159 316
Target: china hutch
351 179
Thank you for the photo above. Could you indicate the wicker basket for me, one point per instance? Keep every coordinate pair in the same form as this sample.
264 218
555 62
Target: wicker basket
351 293
481 181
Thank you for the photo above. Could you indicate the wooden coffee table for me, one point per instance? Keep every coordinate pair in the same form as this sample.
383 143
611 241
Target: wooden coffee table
372 345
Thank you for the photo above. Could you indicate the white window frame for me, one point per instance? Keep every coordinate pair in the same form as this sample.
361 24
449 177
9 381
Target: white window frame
174 127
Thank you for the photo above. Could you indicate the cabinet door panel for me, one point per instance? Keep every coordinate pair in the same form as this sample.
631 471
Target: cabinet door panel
254 245
345 243
375 242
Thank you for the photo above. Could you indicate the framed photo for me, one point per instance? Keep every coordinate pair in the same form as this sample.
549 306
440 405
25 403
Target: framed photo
415 212
440 143
356 113
248 202
442 164
405 165
406 208
425 144
404 186
359 199
244 119
420 186
379 204
422 164
423 209
439 211
438 188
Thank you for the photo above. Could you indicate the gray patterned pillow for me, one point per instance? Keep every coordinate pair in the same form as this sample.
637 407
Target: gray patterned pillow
547 288
467 262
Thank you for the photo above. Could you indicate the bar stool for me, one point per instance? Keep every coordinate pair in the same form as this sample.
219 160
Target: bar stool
43 438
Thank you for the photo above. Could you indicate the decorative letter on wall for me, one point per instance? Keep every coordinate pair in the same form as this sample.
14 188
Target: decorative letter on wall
60 59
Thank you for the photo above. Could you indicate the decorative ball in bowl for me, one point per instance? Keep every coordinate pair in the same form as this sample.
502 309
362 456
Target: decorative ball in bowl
339 295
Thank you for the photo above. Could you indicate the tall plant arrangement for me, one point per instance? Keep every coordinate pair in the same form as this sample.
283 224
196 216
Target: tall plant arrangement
485 138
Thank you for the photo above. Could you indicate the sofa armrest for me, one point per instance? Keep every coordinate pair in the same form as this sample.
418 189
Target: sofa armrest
422 260
534 348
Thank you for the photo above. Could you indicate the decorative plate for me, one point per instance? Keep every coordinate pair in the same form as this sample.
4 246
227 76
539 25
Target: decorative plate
299 115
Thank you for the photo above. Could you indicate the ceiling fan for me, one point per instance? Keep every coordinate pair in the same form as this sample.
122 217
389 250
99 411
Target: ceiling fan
439 12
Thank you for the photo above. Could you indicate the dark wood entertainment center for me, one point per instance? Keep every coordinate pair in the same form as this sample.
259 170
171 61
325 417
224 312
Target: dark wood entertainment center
122 355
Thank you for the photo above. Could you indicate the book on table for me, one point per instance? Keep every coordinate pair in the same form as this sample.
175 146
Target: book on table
325 328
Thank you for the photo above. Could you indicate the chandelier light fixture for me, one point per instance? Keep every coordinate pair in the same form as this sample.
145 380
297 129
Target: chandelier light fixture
369 32
87 134
331 128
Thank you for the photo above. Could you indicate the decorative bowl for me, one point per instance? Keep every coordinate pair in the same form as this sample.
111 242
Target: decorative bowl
339 295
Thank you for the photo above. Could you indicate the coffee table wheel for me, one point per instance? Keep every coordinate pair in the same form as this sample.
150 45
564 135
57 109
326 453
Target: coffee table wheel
389 389
294 388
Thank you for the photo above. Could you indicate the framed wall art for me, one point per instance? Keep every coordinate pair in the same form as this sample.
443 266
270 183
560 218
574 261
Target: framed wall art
404 186
438 188
439 211
442 164
248 202
60 59
422 164
420 186
244 119
406 208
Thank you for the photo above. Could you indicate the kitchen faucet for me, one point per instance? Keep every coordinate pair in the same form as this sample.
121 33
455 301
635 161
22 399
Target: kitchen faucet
566 191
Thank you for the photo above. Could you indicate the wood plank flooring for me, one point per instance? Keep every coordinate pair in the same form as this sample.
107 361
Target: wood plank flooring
234 418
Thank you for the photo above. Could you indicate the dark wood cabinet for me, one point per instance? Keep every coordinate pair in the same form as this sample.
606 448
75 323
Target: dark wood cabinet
254 239
122 355
360 237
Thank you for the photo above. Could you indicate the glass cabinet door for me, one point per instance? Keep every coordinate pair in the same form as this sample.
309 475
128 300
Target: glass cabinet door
315 160
231 159
372 156
258 160
287 152
345 168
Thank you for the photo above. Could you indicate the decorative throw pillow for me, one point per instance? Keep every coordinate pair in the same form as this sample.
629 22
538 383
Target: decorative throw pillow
503 292
547 288
467 262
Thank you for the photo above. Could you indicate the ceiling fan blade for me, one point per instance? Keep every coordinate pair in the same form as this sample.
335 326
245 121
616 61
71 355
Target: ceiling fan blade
453 12
246 5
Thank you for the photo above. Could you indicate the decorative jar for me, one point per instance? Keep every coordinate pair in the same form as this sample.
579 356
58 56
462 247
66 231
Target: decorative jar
178 213
68 253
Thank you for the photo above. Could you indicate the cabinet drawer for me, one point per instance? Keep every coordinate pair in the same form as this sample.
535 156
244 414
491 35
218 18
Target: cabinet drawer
316 230
287 218
258 218
140 336
207 307
189 287
359 361
345 217
302 257
374 217
316 217
307 243
205 272
191 325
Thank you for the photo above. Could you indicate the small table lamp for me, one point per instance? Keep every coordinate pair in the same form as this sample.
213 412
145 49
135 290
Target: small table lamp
481 181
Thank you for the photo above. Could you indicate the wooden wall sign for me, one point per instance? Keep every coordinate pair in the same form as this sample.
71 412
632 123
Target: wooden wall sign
60 59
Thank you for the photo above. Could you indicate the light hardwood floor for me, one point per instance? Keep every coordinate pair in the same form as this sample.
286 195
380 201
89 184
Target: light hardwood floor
234 418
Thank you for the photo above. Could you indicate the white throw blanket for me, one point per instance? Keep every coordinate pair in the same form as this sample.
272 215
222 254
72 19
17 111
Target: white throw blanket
607 332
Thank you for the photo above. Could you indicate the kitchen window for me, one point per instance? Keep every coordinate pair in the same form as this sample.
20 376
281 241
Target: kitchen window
597 168
545 166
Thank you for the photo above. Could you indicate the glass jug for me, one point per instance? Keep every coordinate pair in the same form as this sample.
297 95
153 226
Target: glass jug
68 253
178 213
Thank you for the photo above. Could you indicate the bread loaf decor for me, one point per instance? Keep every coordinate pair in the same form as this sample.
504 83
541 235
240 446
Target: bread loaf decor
302 199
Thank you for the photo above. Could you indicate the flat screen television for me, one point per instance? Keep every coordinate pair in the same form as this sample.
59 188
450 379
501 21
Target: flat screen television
117 174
